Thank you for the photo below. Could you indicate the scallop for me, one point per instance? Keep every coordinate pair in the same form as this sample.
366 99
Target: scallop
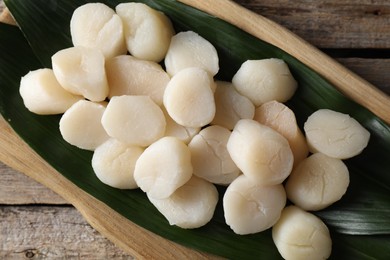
183 133
189 49
260 152
81 71
335 134
163 167
113 163
189 99
128 75
250 207
230 106
135 120
43 95
282 119
265 80
190 206
210 157
317 182
81 125
301 235
97 26
148 32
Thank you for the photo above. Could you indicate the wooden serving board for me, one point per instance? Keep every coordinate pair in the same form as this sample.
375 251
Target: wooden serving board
132 238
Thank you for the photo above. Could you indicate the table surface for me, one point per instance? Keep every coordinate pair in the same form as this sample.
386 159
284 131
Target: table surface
37 223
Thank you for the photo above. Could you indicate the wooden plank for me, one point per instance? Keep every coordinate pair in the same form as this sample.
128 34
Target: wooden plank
51 232
17 188
331 23
376 71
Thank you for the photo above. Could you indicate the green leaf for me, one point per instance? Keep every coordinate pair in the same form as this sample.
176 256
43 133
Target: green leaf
363 210
360 247
42 134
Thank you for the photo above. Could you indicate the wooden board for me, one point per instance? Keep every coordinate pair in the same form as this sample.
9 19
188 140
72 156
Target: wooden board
375 71
86 205
342 24
27 233
18 189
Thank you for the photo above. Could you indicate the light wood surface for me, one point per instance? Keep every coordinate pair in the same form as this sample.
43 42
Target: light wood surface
37 223
62 229
343 24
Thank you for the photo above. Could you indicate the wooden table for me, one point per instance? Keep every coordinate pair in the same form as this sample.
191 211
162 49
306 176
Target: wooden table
37 223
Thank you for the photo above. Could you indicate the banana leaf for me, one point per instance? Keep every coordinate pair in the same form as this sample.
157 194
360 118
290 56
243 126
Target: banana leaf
359 223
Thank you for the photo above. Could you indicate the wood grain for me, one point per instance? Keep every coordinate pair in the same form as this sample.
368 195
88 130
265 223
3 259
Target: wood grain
18 189
375 71
51 232
333 23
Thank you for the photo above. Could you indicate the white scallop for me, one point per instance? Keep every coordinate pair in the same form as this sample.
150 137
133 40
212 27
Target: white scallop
135 120
183 133
148 32
335 134
97 26
43 95
301 235
210 157
317 182
282 119
189 49
128 75
190 206
81 125
189 99
163 167
250 207
265 80
260 152
81 71
231 106
113 163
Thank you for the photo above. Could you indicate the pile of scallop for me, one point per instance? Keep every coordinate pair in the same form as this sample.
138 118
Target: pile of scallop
145 100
